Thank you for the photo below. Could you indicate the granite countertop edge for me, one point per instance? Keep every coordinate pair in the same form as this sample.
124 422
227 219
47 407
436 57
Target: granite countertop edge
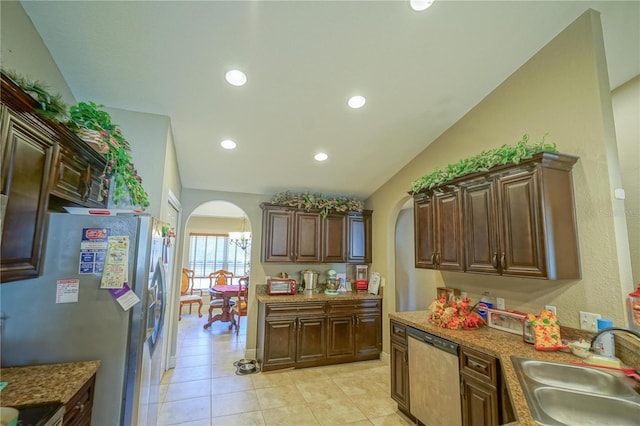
499 344
39 384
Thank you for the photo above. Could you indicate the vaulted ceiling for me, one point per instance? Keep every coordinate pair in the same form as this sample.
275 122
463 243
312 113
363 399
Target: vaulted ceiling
419 71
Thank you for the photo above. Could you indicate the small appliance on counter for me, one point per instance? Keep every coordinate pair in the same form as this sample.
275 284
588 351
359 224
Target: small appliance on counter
309 280
280 286
362 277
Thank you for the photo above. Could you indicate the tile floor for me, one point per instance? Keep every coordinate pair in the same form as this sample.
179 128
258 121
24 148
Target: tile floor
203 389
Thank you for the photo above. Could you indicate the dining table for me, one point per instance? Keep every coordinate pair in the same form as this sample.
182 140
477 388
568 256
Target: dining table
224 292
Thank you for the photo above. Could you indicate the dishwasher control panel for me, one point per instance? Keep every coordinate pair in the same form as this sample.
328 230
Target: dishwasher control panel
430 339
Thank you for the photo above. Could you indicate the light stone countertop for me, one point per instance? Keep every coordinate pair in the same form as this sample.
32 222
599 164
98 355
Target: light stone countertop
38 384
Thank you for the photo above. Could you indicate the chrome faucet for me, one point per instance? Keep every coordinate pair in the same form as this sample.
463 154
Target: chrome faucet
604 330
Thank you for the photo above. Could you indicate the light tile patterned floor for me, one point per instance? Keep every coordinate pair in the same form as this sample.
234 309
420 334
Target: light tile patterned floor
203 389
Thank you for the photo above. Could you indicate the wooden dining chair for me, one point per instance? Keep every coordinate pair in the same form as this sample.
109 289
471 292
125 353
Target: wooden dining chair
219 277
187 296
242 304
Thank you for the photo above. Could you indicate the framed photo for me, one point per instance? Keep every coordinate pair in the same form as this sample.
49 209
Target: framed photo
374 283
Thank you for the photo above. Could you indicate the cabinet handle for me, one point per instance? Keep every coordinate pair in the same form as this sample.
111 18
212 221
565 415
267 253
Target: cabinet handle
502 261
433 258
438 259
494 260
475 365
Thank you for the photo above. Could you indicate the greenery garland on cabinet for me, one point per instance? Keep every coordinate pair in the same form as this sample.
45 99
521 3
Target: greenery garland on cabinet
482 162
92 124
308 201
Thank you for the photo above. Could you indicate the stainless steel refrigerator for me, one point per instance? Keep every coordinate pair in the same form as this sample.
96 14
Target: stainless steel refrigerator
41 325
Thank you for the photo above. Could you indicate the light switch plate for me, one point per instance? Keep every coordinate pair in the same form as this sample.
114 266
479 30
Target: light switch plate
589 321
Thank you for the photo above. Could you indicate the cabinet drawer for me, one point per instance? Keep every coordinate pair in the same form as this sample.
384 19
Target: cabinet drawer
353 306
479 365
399 332
78 410
295 309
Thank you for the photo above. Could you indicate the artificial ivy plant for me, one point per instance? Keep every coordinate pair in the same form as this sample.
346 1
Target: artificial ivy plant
120 175
120 172
326 204
506 154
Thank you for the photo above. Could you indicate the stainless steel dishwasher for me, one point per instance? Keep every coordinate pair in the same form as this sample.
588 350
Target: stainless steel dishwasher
434 379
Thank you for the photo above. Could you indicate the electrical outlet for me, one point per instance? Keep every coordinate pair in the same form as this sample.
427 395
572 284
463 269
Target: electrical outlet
500 303
551 308
589 321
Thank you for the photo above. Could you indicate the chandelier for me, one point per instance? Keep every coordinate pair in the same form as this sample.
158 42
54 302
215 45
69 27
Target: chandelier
241 239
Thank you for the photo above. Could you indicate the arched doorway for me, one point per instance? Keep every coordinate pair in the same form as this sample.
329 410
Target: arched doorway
211 244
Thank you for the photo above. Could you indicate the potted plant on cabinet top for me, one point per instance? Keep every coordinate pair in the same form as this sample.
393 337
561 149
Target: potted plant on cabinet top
120 176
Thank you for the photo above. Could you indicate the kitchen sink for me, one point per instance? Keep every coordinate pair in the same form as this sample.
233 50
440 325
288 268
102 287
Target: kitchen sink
568 394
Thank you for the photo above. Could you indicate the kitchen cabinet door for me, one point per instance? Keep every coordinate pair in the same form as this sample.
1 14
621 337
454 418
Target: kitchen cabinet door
280 342
400 376
307 237
438 231
72 177
450 242
341 338
368 334
28 153
479 403
334 228
424 223
521 230
359 236
312 341
481 227
277 239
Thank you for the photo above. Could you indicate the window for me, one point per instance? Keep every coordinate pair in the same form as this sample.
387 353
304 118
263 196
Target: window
210 252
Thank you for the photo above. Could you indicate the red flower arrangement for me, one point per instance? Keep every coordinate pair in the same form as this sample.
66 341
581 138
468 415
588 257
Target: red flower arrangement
454 314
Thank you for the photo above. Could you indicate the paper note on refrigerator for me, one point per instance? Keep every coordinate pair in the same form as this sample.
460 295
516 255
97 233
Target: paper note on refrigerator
67 291
116 264
124 296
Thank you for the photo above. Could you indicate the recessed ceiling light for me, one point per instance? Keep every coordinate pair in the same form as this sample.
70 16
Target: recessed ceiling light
420 5
228 144
236 77
321 156
356 101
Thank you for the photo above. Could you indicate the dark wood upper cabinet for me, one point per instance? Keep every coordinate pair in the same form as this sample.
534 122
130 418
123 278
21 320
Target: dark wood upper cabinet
298 235
44 167
438 231
307 237
28 155
334 238
359 248
517 220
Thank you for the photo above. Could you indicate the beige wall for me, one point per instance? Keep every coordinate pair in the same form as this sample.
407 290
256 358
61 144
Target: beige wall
560 90
24 52
626 111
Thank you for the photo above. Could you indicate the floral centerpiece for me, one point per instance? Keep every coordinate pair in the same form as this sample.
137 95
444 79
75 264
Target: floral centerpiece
454 314
308 201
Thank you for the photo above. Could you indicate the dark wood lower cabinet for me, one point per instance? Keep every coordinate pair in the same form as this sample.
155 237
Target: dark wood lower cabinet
400 366
299 334
479 402
77 412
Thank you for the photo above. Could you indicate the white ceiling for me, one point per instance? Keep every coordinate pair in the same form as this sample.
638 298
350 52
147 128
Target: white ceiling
420 72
